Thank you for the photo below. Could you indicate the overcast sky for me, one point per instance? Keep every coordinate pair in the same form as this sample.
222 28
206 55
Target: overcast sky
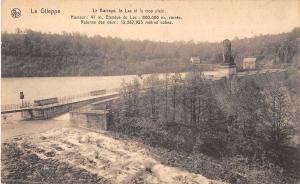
204 20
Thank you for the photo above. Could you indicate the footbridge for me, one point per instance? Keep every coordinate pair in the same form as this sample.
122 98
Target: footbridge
53 107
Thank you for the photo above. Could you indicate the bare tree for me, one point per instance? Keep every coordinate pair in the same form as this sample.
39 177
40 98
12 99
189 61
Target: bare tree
166 88
278 121
136 97
175 85
151 83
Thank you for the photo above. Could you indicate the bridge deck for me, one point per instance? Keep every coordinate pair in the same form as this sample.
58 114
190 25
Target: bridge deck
69 102
16 110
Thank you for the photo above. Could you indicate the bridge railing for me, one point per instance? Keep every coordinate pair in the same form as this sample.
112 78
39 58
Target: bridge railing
113 90
11 107
61 100
66 99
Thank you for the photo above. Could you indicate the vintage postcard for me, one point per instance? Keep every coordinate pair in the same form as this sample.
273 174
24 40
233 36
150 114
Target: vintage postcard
159 91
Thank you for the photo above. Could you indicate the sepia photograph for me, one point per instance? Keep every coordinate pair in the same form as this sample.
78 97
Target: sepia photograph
150 92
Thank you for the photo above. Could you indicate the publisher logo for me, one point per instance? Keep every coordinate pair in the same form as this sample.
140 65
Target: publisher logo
16 13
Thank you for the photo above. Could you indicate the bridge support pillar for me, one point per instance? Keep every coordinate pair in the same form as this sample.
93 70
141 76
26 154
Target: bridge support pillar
27 115
95 119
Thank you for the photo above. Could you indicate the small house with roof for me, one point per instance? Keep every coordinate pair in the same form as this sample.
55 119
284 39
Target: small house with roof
249 63
195 60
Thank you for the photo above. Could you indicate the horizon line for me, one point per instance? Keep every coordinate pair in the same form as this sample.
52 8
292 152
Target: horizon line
150 40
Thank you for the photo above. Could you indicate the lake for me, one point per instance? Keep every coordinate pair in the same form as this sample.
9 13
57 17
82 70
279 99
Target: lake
46 87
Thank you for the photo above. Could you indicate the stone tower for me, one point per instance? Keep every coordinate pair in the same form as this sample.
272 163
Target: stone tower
228 67
227 57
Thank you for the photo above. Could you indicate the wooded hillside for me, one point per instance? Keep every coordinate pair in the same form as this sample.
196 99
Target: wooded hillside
30 53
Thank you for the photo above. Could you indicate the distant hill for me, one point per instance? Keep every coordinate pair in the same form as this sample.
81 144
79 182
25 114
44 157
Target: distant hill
31 53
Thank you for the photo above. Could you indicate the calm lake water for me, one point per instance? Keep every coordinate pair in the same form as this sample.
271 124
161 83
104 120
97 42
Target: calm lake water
46 87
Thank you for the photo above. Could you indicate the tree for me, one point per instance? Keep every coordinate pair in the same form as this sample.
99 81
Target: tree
166 97
176 78
136 96
278 124
18 31
286 52
151 95
247 110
